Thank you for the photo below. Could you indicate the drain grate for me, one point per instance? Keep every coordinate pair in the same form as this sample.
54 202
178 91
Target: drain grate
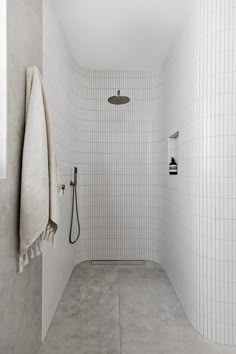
131 263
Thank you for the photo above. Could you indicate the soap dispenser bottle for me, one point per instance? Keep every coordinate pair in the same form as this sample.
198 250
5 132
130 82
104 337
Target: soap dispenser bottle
173 167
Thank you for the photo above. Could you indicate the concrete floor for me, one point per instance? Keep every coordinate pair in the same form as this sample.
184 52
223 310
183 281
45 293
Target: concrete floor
109 309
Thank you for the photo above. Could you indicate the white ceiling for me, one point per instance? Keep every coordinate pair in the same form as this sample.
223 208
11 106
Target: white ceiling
120 33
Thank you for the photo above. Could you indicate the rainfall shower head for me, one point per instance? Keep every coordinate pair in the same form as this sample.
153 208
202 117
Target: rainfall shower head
118 99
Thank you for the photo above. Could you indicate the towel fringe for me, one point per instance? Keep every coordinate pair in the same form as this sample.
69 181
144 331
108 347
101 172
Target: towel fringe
54 242
31 251
37 247
25 259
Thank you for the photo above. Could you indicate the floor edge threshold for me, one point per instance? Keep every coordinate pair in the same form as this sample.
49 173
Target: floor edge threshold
104 262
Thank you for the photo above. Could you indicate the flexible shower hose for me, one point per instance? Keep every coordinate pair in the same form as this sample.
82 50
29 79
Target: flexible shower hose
74 201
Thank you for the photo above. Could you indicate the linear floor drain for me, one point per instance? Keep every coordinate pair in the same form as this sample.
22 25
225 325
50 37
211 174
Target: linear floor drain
117 262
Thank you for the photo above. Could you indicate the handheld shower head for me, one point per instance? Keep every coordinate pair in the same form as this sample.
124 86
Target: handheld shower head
75 175
74 204
74 183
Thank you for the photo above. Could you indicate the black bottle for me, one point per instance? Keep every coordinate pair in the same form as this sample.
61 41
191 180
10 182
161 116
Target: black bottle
173 168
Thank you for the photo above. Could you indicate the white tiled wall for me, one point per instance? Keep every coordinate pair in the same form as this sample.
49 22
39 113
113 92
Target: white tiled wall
116 150
214 243
118 166
129 206
198 98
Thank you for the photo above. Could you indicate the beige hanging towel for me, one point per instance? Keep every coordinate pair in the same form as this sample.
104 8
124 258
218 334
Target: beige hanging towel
40 183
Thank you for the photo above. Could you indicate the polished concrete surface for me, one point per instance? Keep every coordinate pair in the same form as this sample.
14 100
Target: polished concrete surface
120 309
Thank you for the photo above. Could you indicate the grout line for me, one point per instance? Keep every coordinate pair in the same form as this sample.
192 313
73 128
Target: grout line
119 309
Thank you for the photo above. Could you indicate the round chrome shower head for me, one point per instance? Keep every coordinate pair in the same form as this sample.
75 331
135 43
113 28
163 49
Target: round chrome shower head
118 99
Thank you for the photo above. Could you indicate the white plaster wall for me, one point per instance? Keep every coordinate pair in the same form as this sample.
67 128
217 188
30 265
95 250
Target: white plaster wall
58 72
118 166
177 100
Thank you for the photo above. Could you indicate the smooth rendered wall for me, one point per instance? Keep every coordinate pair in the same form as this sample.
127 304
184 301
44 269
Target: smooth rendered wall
177 101
198 95
58 73
20 294
119 181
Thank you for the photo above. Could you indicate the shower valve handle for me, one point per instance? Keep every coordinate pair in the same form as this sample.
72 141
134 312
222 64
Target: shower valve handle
63 187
